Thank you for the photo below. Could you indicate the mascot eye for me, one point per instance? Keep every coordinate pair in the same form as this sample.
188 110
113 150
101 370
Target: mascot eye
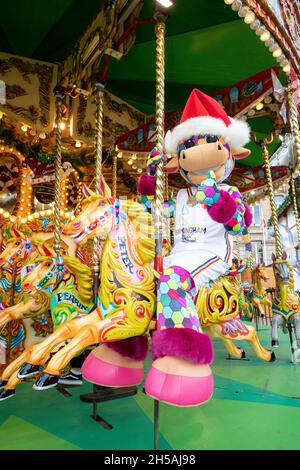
189 143
211 138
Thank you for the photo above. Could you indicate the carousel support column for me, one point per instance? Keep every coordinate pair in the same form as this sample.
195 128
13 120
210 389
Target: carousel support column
57 184
295 127
160 30
114 176
99 94
296 214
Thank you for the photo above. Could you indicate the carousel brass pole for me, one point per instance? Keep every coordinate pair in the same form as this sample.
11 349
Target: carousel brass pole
160 29
57 184
295 126
295 207
114 175
99 95
265 153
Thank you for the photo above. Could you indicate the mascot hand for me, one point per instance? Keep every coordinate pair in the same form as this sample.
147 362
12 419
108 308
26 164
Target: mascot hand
155 158
208 192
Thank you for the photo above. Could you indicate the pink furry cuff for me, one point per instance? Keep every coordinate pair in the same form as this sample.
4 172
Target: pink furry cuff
146 185
135 348
224 209
182 342
248 216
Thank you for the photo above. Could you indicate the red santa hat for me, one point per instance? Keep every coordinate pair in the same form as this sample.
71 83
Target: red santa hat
204 115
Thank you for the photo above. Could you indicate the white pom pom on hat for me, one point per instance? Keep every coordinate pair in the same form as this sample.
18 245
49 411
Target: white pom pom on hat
204 115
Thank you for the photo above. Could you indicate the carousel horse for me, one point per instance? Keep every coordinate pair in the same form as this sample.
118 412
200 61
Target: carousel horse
20 252
286 304
127 302
259 296
126 296
70 283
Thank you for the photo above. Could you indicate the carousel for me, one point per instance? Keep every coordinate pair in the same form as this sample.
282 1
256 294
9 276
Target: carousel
148 153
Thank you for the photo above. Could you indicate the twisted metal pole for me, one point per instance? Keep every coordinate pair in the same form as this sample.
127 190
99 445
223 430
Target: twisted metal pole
99 95
114 175
295 207
278 243
57 184
295 126
160 29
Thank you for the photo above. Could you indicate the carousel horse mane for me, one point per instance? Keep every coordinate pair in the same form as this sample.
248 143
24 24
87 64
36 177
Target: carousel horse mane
80 271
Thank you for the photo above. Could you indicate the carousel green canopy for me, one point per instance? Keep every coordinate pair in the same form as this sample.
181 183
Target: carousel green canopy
208 46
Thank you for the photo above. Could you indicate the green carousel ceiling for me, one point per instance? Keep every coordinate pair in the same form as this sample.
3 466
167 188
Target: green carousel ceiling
207 46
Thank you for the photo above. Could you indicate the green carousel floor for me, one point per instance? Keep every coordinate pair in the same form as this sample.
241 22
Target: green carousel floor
256 405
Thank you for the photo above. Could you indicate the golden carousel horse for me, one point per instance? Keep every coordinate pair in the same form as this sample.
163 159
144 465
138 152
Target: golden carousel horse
68 283
259 296
127 291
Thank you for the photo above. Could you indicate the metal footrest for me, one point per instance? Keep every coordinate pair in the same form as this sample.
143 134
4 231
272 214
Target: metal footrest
100 394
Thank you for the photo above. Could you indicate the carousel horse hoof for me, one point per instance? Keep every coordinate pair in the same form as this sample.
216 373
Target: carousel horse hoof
46 381
243 353
275 343
178 390
3 383
273 357
27 370
6 393
100 372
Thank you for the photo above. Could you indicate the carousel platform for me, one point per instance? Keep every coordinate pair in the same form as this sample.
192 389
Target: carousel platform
256 405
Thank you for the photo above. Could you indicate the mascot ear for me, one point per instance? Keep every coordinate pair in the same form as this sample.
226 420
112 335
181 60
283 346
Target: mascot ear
172 166
284 255
274 257
240 152
87 191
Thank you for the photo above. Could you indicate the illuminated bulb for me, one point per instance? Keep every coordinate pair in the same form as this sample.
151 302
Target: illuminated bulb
42 213
237 4
72 217
228 2
11 149
250 17
130 162
252 192
77 144
2 148
42 135
268 99
265 36
32 132
259 106
24 220
62 125
48 211
120 155
287 68
134 157
140 170
134 167
67 214
165 3
21 209
61 213
251 112
1 115
24 128
277 52
6 214
30 217
36 215
12 219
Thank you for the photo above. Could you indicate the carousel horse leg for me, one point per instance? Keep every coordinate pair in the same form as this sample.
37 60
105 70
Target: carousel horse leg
296 320
10 388
236 330
40 352
277 321
180 374
233 351
88 336
14 366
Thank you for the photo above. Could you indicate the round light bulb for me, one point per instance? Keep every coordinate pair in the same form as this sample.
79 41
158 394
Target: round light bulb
24 128
36 215
77 144
228 2
42 213
251 112
268 99
120 155
6 214
259 106
237 4
277 52
2 148
243 11
62 125
140 170
130 162
42 135
30 217
250 17
1 115
24 220
287 68
265 36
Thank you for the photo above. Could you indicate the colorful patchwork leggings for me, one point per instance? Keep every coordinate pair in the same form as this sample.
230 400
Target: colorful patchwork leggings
175 306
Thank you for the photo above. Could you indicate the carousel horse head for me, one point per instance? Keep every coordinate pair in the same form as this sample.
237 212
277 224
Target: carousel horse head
281 268
51 268
102 215
17 249
206 139
260 273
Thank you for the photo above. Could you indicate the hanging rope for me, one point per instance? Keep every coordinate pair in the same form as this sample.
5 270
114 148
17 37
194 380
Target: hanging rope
57 184
99 95
295 126
160 109
265 153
